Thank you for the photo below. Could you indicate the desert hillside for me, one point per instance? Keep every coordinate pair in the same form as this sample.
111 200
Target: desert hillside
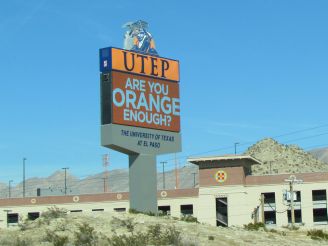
103 228
283 158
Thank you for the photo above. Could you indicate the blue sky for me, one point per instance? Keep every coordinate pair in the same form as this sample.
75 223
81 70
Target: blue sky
249 70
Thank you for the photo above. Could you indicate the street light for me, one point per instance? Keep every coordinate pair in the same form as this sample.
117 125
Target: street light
236 148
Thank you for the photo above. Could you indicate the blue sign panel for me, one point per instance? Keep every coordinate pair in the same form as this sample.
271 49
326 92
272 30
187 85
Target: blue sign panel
105 60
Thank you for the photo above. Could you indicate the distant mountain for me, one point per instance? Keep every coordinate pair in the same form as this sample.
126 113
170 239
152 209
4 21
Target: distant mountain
275 158
321 154
280 158
118 181
52 185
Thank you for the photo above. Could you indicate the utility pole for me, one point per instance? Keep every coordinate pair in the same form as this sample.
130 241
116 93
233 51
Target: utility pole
176 171
106 172
236 148
262 208
65 189
194 179
24 159
163 163
104 179
292 180
9 188
291 191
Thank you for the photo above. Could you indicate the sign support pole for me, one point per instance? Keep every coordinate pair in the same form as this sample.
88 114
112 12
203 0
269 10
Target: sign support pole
143 182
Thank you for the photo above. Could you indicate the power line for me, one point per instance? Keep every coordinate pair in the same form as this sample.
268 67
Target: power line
303 130
253 142
308 137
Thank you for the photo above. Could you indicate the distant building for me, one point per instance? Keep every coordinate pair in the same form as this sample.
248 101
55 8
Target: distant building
228 195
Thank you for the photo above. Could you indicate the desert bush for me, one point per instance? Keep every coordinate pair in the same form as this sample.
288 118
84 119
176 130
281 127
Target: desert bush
56 239
155 235
172 236
154 231
18 241
25 224
254 226
139 239
128 223
13 239
61 226
85 236
54 213
211 238
134 211
159 236
51 213
273 230
317 234
292 227
189 218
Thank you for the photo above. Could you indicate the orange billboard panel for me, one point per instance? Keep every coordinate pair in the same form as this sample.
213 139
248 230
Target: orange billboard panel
145 102
138 63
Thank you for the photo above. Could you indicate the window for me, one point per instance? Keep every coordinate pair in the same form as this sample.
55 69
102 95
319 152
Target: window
269 208
320 215
187 209
319 195
33 215
319 199
269 197
12 218
270 217
119 209
164 209
298 216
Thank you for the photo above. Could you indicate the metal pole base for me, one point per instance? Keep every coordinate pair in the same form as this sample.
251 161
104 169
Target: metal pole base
143 183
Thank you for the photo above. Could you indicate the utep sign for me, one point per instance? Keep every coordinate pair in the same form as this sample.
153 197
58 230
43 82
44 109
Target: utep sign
144 89
140 97
145 102
137 63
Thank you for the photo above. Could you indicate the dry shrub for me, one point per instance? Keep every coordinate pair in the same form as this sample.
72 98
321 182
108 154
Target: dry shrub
54 213
85 236
56 239
254 226
318 234
155 235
